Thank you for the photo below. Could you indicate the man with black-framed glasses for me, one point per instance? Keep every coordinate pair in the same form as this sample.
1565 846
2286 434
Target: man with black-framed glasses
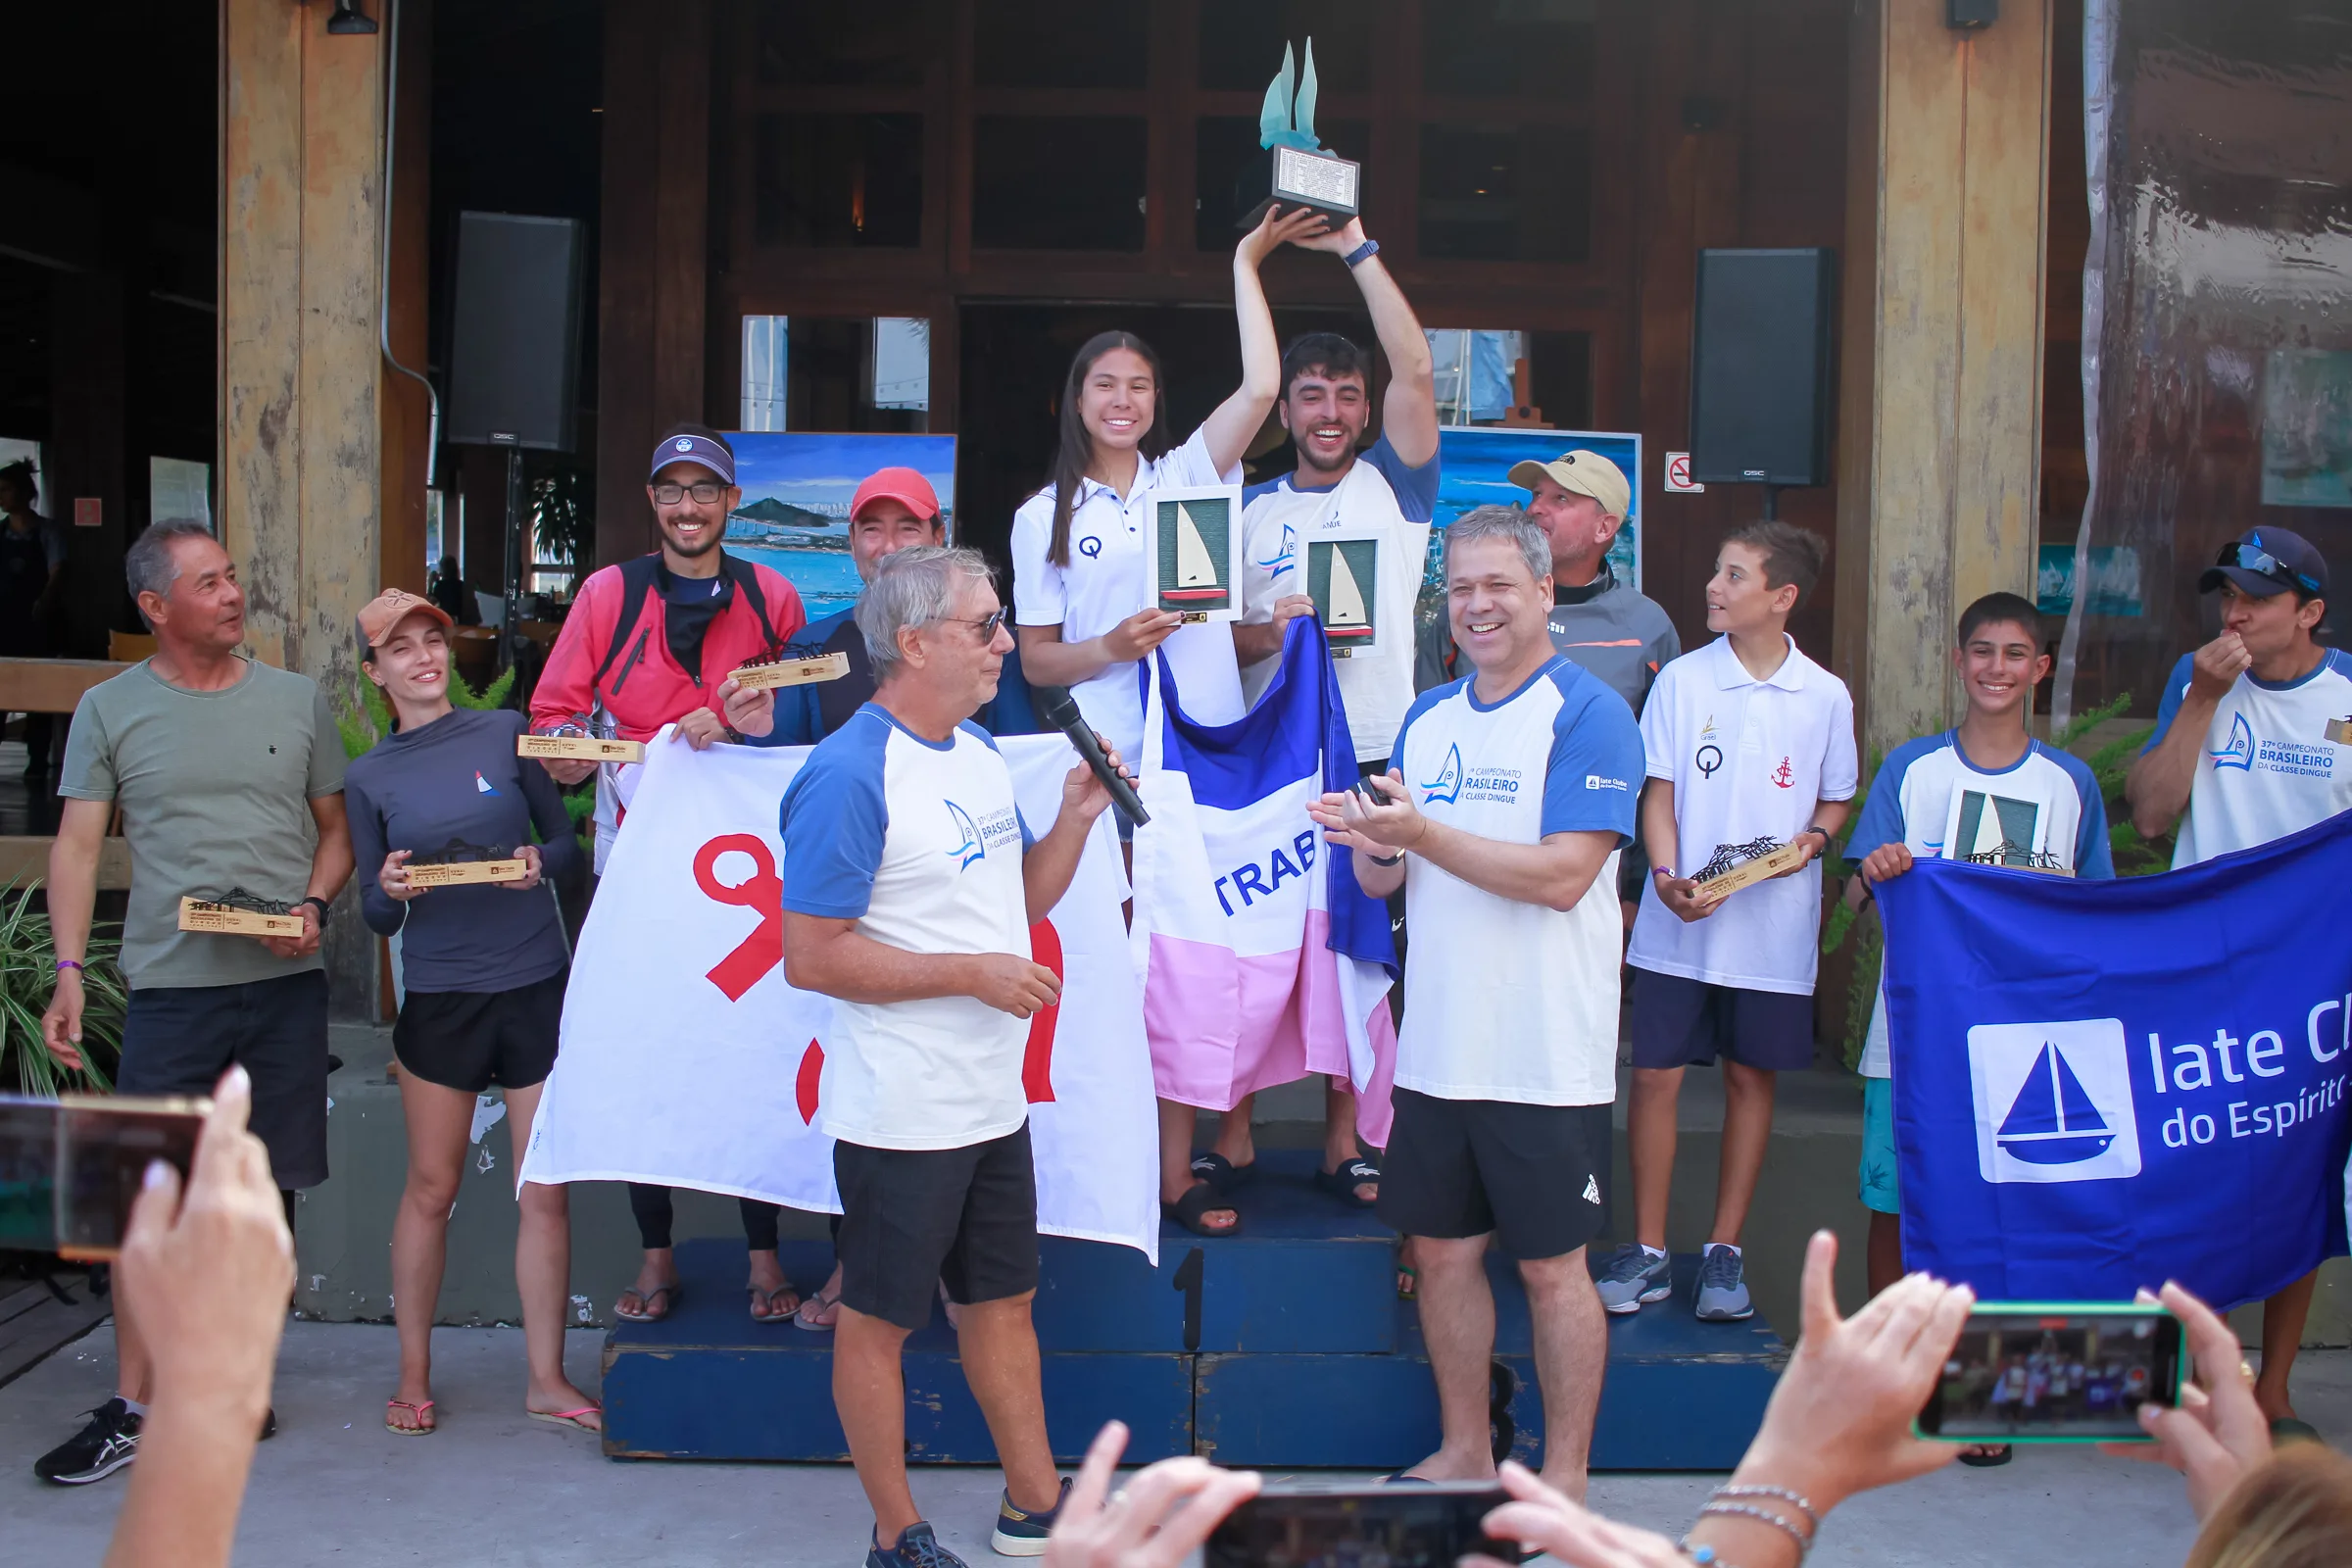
2254 742
652 642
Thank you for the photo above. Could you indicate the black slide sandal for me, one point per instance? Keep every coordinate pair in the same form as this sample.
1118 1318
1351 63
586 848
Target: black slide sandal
1198 1199
1343 1182
1222 1174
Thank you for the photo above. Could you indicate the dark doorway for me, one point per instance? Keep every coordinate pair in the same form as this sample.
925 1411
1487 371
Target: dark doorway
1014 360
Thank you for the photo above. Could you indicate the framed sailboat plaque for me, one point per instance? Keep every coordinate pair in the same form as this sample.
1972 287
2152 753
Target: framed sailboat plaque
1342 577
1194 552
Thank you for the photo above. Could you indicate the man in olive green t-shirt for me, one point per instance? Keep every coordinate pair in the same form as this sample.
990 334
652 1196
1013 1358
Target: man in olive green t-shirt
230 775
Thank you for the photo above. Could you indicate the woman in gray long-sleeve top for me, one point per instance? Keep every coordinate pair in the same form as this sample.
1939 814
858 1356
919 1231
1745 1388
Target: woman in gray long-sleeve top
484 967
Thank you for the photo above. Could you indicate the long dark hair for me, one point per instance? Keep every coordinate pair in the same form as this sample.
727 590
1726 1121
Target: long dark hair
1075 449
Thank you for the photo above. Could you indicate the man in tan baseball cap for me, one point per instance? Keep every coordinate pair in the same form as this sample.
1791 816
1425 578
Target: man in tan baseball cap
1581 498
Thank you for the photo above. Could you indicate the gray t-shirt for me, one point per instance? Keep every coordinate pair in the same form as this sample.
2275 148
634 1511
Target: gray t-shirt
216 790
1608 628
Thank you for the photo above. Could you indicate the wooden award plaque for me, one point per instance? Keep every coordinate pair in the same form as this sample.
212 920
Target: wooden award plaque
195 915
1747 874
462 873
768 675
579 749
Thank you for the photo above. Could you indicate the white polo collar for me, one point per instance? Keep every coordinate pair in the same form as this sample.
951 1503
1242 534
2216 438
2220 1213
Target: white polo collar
1731 674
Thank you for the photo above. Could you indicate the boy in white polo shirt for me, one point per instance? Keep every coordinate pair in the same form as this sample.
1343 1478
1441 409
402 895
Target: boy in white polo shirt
1746 739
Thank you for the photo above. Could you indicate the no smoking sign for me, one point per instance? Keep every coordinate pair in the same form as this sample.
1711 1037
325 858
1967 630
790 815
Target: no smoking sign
1678 476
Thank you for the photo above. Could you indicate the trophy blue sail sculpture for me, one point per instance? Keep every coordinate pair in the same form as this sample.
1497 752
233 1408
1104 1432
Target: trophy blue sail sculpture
1294 170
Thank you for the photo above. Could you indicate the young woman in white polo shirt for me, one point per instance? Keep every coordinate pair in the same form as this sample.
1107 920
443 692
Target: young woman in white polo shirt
1078 580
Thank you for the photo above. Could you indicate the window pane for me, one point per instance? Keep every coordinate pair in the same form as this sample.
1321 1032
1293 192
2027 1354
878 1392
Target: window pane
1060 44
1065 183
874 43
1241 43
1508 48
851 373
179 488
839 179
1521 194
767 360
1223 145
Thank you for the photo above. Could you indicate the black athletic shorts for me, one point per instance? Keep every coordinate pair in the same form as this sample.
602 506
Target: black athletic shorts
470 1040
1538 1176
178 1040
912 1218
1680 1022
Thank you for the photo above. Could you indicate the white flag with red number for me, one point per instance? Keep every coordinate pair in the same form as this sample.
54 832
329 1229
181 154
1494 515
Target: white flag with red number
687 1061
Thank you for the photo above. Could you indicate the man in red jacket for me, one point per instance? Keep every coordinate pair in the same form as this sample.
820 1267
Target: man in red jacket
652 642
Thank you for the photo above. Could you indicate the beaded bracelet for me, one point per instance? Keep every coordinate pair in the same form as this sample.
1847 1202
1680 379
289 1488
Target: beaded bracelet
1804 1543
1804 1504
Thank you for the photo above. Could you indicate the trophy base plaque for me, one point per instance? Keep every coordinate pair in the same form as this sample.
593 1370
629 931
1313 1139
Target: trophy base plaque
1191 618
1292 177
761 677
462 873
227 919
1747 874
579 749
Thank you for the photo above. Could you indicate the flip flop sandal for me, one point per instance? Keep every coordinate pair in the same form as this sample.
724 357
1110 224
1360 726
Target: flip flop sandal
1222 1174
1408 1283
1198 1199
569 1418
674 1293
1343 1182
768 1298
1987 1455
815 1307
422 1429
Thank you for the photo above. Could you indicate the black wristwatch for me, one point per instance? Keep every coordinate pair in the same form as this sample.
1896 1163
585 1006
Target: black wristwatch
1395 859
1827 840
321 902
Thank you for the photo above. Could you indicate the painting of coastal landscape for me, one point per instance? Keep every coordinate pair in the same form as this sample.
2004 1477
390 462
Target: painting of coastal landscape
1475 470
795 511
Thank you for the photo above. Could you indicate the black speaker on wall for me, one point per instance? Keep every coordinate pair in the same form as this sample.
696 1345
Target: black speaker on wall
1760 366
515 344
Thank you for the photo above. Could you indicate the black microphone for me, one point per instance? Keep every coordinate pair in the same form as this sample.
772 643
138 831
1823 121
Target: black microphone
1057 707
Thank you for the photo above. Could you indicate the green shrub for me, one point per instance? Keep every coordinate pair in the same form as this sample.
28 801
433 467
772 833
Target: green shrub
28 977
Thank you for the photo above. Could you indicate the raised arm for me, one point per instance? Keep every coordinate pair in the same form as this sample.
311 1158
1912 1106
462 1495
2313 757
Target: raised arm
1237 421
2161 776
1050 862
1408 414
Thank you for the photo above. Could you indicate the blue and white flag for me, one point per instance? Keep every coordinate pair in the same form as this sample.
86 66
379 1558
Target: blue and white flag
2105 1085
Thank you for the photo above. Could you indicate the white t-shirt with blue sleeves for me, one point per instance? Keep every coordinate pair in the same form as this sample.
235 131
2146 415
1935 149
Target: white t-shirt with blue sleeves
1507 1001
1382 497
2267 766
919 842
1928 797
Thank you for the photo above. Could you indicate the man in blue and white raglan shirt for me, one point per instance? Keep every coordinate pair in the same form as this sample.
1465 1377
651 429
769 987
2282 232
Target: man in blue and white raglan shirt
1986 790
1387 495
911 882
1511 793
2251 745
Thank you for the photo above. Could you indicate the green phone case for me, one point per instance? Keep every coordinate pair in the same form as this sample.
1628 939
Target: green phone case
2171 1395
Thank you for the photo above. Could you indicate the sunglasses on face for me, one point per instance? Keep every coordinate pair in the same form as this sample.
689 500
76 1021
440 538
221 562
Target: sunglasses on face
988 623
704 492
2262 562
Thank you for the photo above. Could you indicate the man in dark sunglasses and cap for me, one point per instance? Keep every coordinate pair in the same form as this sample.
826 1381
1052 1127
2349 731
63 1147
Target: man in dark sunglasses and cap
2254 742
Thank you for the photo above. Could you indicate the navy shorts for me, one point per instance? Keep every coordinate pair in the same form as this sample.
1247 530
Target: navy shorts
178 1040
1534 1176
1680 1022
912 1220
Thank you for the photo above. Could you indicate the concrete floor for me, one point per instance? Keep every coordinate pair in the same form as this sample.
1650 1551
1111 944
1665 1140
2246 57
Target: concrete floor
491 1487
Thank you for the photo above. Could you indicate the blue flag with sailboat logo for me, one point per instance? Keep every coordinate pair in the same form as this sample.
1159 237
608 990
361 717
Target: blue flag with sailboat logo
2100 1085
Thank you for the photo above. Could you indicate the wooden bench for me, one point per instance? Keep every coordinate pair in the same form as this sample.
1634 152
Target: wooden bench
55 686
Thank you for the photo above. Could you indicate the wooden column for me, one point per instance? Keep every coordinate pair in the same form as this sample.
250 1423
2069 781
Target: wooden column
1940 381
406 412
301 138
654 254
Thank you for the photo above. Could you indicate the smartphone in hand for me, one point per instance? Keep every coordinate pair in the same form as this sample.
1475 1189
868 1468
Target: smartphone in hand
2055 1372
71 1167
1306 1525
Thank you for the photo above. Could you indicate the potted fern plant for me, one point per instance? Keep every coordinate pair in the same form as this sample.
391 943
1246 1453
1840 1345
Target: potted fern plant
27 977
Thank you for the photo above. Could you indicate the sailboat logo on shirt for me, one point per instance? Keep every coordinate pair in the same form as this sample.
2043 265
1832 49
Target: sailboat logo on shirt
481 785
1286 557
2239 752
1448 785
970 848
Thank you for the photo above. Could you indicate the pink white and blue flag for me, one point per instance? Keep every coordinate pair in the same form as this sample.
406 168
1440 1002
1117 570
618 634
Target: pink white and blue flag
1263 960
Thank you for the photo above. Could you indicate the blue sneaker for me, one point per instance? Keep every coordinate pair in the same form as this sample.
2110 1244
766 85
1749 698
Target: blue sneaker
917 1548
1632 1277
1722 1295
1024 1535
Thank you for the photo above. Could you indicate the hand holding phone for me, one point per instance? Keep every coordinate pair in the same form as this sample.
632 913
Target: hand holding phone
2056 1372
1306 1524
71 1168
2216 1433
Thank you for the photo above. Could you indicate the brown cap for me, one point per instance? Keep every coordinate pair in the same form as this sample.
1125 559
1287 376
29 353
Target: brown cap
1579 472
388 610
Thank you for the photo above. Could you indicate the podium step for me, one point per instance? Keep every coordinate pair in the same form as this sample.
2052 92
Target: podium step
1283 1347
